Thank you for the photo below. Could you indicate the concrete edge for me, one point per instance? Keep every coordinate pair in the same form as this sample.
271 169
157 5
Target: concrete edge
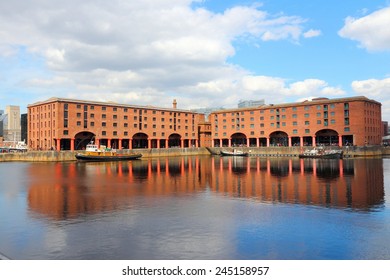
3 257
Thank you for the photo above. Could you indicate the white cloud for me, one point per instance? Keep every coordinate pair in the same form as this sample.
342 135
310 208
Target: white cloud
312 33
371 31
373 88
378 90
147 52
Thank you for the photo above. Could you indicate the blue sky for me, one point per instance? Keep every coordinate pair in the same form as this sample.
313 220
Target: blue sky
209 53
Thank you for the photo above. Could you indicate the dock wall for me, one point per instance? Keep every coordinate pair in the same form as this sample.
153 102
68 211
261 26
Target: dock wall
42 156
47 156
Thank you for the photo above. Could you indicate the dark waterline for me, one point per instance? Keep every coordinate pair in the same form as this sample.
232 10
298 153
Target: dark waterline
196 208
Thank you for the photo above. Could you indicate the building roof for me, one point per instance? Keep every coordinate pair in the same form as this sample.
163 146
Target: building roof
108 103
314 101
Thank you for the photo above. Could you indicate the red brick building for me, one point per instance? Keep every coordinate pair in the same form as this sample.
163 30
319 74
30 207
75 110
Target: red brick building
69 124
322 121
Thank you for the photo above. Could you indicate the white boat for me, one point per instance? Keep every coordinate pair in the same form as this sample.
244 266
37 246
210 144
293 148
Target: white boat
19 147
234 153
320 152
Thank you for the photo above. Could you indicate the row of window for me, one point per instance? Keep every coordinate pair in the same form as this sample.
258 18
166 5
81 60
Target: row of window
135 125
135 118
283 117
262 132
278 110
126 133
125 110
294 123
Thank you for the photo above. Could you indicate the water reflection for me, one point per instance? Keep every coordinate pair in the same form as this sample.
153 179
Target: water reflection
66 190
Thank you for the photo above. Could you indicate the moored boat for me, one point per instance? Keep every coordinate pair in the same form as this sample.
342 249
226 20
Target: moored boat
320 152
234 153
95 153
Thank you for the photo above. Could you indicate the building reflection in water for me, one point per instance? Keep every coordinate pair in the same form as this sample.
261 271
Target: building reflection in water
69 190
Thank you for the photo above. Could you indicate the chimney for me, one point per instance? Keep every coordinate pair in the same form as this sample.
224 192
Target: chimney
174 104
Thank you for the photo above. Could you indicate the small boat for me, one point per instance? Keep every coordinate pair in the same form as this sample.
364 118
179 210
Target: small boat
320 152
102 153
19 147
234 153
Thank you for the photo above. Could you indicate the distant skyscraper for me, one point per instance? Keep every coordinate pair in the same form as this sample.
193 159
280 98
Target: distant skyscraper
11 124
250 103
2 116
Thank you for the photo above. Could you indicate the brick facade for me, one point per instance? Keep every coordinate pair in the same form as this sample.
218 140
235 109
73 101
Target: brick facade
322 121
68 124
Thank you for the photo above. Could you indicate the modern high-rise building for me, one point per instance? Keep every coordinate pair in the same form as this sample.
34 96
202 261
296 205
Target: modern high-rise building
2 116
250 103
